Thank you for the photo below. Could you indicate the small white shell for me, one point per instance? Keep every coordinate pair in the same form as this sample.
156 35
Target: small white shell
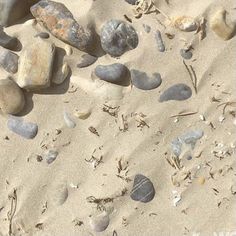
100 222
185 23
68 121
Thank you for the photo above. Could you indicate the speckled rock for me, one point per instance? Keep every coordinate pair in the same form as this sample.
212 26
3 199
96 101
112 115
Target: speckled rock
87 60
143 189
35 65
27 130
114 73
100 222
56 18
9 60
142 81
186 54
43 35
117 37
7 41
178 92
12 99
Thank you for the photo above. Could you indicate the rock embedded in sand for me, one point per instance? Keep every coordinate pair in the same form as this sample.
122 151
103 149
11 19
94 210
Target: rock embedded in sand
43 35
50 156
143 189
7 41
56 18
178 92
27 130
131 1
142 81
118 37
9 60
159 41
186 54
35 65
87 60
12 99
115 73
100 222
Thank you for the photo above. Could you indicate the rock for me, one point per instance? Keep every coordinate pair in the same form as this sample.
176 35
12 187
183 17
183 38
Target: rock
185 23
57 19
186 54
14 10
12 100
114 73
178 92
117 37
131 1
50 156
43 35
143 189
8 60
60 74
25 129
147 28
100 222
35 65
142 81
190 138
7 41
160 44
68 120
87 60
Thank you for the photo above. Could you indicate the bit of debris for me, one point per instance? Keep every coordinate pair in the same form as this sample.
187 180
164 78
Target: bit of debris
112 111
93 130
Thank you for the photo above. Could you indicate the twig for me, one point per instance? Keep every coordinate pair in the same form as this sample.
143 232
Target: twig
225 104
193 76
12 211
185 114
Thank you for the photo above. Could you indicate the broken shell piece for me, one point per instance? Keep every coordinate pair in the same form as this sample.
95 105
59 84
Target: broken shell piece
219 25
82 115
185 23
100 222
68 120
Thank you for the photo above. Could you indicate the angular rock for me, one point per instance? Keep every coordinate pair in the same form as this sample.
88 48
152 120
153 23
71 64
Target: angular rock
27 130
43 35
57 19
7 41
14 10
178 92
100 222
143 189
117 37
186 54
9 60
142 81
12 99
87 60
35 65
114 73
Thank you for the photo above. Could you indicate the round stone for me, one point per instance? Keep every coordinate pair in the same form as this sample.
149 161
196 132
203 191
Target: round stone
186 54
117 37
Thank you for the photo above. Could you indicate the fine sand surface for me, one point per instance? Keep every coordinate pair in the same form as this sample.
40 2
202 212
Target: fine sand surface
204 207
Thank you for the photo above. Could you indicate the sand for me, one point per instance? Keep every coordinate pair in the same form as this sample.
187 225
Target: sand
204 208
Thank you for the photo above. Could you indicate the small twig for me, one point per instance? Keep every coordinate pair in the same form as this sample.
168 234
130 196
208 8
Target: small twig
225 104
185 114
12 211
127 18
193 77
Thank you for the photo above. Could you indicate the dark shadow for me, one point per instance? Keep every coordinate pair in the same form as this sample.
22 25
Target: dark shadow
126 81
29 105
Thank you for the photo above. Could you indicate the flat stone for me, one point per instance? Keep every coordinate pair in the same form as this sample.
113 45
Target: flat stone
142 81
186 54
12 99
131 1
100 222
143 189
114 73
27 130
87 60
43 35
7 41
59 21
178 92
118 37
159 41
35 65
9 60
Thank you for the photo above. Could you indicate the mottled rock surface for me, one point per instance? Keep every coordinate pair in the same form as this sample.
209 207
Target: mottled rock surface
9 60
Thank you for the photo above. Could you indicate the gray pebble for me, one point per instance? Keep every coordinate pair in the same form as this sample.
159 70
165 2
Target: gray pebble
131 1
9 60
142 81
186 54
50 156
114 73
147 28
25 129
42 35
178 92
143 189
160 44
87 60
117 37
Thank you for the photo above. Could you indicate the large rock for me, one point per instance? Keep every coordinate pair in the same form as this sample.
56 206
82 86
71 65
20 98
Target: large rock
9 60
56 18
35 65
7 41
12 99
13 10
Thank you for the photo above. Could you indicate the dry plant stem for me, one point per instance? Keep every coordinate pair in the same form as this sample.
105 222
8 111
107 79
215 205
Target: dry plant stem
185 114
12 211
192 75
225 104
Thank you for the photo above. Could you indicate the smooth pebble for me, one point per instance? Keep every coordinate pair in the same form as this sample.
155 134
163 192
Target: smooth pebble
50 156
159 41
100 222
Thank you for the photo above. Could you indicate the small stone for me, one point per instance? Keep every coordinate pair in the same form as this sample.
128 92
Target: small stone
7 41
12 99
185 23
147 28
68 120
68 50
114 73
201 180
61 74
50 156
118 37
186 54
159 41
131 1
59 21
143 189
43 35
9 60
27 130
100 222
35 65
87 60
178 92
142 81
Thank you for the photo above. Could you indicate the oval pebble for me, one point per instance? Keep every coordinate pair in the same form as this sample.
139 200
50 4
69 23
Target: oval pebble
27 130
42 35
142 81
87 60
114 73
50 156
159 41
68 120
178 92
117 37
100 222
186 54
143 189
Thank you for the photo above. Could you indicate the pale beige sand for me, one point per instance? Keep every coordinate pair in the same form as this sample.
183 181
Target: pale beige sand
199 209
